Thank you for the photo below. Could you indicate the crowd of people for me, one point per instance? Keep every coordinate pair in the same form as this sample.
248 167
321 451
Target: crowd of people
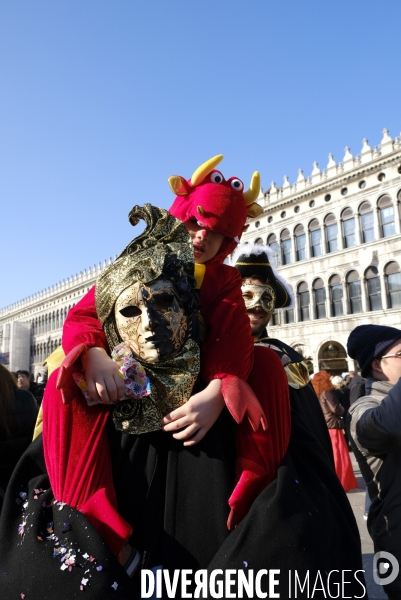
177 434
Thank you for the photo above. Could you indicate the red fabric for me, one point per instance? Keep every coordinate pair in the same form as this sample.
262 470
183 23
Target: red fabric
82 325
78 461
259 454
74 362
227 349
241 401
342 461
223 209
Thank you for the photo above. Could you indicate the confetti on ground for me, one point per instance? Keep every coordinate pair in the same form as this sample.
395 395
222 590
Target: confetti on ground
245 563
115 585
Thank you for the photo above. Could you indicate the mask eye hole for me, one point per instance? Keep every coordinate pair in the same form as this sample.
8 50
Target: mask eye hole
162 301
237 185
130 311
216 177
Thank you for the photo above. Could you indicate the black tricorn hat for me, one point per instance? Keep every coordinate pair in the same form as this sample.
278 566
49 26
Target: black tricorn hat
256 261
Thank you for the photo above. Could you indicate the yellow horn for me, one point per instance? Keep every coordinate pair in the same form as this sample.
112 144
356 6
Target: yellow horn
254 189
254 210
205 169
200 210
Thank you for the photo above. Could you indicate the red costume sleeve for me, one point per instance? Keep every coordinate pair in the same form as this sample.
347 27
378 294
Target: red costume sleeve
259 453
78 461
82 325
228 346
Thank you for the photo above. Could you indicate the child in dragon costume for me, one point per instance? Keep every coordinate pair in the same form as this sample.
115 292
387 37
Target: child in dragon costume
214 212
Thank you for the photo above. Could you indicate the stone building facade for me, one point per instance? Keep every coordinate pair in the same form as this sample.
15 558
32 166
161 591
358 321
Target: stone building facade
43 314
336 240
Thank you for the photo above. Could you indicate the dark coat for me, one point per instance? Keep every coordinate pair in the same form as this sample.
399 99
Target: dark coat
374 427
21 425
303 399
332 410
356 388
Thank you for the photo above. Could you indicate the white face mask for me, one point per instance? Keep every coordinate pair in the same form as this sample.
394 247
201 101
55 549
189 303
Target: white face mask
151 321
259 295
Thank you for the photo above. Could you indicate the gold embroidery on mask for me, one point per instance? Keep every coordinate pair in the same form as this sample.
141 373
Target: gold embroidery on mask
177 325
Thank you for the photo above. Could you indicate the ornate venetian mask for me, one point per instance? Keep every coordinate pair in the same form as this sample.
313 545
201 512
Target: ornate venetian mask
151 320
258 295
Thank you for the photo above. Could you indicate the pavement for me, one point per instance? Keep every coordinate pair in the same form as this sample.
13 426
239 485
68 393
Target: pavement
357 501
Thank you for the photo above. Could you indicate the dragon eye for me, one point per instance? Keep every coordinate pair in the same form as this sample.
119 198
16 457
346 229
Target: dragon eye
237 185
217 177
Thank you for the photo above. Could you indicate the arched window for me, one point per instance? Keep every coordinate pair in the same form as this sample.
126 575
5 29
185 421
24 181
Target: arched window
257 242
319 293
315 234
300 242
275 248
373 288
331 233
386 216
348 220
367 222
354 292
289 312
336 294
286 247
393 281
304 301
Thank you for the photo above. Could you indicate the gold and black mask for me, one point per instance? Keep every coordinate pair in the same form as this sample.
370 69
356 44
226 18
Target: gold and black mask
147 299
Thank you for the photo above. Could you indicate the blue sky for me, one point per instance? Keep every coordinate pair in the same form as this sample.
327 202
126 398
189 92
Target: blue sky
101 101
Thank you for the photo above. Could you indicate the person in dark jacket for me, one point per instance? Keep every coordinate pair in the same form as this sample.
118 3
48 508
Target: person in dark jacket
18 412
24 383
356 386
374 426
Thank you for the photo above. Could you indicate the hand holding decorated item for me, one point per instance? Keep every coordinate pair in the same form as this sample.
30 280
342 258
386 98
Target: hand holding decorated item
132 372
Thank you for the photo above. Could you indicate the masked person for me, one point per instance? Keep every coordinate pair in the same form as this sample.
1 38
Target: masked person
193 527
310 525
264 291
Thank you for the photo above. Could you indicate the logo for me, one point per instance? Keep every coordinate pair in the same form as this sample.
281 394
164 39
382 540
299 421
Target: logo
385 568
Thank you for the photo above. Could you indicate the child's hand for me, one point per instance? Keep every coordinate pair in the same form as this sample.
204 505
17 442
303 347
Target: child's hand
196 416
102 377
